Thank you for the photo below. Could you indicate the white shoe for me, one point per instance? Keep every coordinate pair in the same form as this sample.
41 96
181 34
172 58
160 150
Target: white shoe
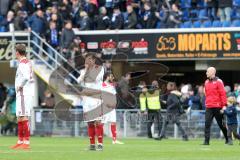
117 142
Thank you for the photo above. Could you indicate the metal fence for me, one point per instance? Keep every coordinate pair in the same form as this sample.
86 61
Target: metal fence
130 123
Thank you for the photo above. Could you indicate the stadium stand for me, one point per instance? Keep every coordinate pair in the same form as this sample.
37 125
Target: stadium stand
145 10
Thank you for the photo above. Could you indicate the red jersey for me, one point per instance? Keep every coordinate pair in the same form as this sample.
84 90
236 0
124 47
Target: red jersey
215 93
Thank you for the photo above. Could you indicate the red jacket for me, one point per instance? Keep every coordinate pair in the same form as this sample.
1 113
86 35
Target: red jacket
215 93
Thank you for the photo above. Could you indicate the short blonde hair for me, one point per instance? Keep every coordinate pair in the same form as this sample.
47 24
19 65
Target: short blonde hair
231 100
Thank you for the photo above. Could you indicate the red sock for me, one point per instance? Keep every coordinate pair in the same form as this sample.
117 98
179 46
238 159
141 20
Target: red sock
91 133
99 130
26 129
114 131
20 132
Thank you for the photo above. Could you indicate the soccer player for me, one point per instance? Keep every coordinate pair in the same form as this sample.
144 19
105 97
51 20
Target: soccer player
108 86
24 96
91 77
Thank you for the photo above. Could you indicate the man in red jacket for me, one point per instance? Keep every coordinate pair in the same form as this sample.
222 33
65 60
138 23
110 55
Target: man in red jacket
215 101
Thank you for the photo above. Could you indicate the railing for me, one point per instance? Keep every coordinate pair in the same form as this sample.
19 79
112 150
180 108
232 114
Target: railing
130 123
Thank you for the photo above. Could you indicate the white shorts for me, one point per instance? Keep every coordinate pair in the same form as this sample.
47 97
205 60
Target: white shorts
24 104
110 117
90 104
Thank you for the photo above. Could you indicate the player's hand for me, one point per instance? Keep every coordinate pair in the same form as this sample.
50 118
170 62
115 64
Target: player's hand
224 108
221 111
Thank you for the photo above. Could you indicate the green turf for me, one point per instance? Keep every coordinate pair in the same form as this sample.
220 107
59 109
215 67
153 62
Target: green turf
133 149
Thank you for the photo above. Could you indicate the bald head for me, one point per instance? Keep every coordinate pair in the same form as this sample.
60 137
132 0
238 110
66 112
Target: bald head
211 72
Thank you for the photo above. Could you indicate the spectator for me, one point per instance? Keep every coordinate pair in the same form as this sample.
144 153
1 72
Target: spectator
48 103
21 5
75 12
58 20
19 21
211 9
53 38
7 21
3 94
102 20
162 16
148 20
37 23
131 21
225 9
4 7
84 21
173 114
9 111
117 20
231 112
64 9
174 18
67 38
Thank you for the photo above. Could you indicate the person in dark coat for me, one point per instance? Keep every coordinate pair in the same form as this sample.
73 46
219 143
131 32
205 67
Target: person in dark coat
212 9
131 21
67 38
102 20
117 20
4 7
175 17
173 114
225 9
149 19
231 112
19 22
53 38
7 21
83 21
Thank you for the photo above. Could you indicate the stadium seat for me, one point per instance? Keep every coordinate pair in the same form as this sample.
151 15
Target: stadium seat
202 14
2 29
187 24
236 23
216 24
236 3
226 24
194 14
185 4
185 15
201 4
207 24
197 24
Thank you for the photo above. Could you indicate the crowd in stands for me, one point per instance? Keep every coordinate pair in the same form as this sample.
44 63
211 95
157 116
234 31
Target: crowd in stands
37 15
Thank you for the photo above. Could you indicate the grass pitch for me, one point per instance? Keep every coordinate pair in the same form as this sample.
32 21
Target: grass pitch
133 149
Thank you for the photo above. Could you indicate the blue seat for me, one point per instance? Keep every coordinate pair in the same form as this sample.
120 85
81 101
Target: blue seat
2 29
236 3
236 23
216 23
185 4
197 24
226 24
185 16
188 24
194 14
207 24
200 4
203 14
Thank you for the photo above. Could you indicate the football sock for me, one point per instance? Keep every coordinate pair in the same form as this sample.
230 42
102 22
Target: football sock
91 133
26 132
20 133
114 131
99 130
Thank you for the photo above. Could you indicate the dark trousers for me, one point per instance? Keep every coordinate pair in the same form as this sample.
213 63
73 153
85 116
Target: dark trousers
175 119
153 116
210 113
232 129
